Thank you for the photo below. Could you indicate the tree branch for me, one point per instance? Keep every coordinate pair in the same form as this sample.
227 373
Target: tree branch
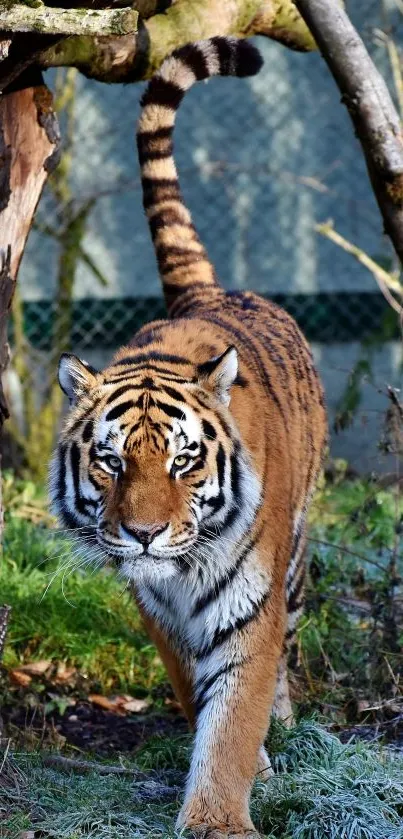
387 282
370 106
128 58
48 21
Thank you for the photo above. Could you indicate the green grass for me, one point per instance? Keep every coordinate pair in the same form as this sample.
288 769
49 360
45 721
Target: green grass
90 622
322 790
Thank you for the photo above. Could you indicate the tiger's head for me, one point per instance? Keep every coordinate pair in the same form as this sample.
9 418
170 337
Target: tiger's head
150 465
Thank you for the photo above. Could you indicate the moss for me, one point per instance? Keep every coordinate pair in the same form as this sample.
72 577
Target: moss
395 190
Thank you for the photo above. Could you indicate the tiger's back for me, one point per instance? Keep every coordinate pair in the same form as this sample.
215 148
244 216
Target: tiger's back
191 461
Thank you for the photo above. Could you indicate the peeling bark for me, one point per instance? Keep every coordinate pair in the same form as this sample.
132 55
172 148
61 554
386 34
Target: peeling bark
28 152
369 104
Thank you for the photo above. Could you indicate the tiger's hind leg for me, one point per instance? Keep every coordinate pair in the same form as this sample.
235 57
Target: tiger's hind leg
264 769
282 704
282 708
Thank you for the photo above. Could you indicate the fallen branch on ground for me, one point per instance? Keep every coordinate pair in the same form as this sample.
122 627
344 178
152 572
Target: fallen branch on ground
68 764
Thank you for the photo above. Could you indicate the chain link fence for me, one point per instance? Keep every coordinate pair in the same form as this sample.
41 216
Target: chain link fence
261 162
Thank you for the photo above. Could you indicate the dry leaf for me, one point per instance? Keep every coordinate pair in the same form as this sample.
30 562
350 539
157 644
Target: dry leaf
104 702
21 679
124 704
35 668
136 706
64 673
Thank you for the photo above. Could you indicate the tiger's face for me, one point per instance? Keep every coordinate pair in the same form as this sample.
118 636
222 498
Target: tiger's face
149 464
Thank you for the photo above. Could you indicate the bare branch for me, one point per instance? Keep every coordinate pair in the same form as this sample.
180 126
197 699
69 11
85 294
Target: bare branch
387 282
49 21
370 106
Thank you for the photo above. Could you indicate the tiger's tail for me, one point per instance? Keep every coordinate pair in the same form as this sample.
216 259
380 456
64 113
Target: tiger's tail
182 259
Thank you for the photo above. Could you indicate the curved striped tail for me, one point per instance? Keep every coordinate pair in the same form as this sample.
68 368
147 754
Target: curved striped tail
182 259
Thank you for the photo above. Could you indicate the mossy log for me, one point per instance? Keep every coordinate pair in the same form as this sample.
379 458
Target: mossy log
129 58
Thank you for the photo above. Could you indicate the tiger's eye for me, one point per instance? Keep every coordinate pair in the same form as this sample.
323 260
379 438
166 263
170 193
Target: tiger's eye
113 462
181 460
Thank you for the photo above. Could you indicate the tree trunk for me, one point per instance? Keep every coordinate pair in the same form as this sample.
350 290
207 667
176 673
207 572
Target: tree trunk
29 145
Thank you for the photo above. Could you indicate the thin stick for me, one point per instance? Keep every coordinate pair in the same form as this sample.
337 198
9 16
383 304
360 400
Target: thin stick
68 764
385 280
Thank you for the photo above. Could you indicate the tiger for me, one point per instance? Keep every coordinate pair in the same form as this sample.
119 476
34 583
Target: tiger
189 463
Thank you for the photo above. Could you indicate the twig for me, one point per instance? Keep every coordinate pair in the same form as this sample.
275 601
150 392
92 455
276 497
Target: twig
385 280
347 551
369 103
68 764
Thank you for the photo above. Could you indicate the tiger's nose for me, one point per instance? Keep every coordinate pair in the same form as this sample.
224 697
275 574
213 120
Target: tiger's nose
145 533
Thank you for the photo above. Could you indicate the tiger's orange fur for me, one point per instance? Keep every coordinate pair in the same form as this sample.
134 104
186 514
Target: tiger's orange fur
212 540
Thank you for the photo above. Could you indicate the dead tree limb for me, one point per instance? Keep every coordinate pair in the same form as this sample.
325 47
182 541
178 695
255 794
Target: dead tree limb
370 106
29 147
48 21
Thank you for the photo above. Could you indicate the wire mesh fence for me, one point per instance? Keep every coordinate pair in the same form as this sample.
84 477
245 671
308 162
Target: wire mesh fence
261 161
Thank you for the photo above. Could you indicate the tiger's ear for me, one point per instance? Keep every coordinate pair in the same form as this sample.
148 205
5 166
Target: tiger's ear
219 374
75 376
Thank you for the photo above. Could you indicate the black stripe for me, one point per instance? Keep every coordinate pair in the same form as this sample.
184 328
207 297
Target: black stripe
170 410
172 256
83 416
193 56
214 593
206 684
88 431
235 474
148 140
159 598
94 482
209 430
116 412
174 394
293 601
80 502
222 635
220 461
232 514
161 92
226 55
153 355
68 519
161 189
117 393
61 478
171 289
167 217
164 375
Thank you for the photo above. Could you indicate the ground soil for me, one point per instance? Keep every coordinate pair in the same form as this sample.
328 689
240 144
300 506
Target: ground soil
89 728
